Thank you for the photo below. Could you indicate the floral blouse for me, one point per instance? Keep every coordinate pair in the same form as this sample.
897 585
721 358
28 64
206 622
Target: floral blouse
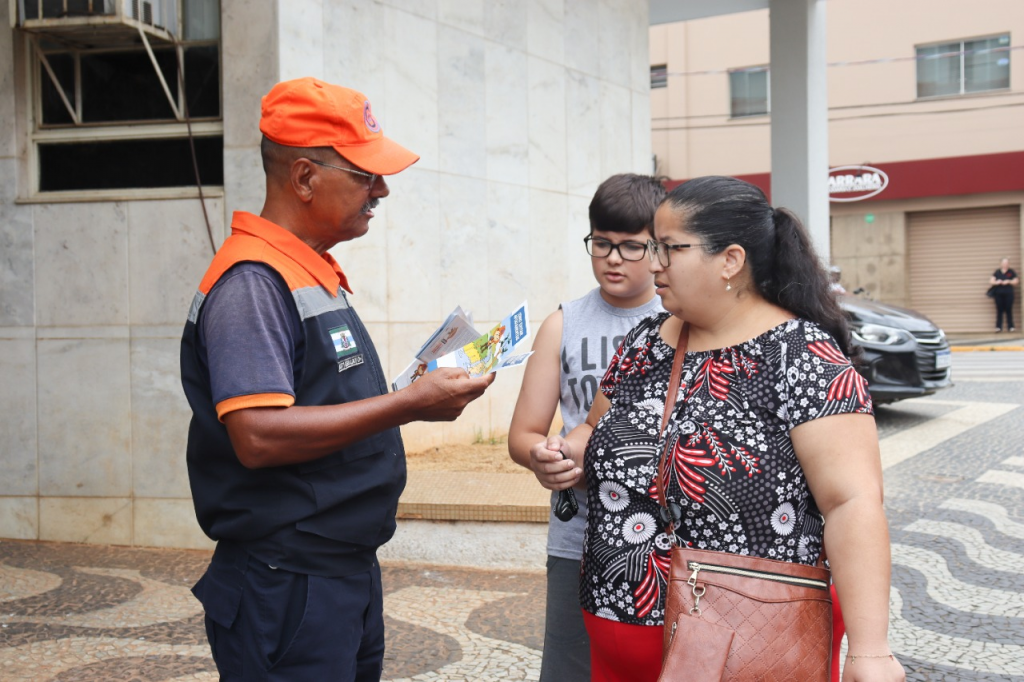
733 469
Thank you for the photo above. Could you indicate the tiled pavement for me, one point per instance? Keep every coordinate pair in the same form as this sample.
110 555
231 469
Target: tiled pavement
954 469
101 613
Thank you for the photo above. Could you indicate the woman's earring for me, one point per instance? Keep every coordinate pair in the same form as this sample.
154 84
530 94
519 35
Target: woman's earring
728 284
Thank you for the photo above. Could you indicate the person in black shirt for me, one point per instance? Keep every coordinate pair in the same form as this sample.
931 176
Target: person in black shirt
1003 281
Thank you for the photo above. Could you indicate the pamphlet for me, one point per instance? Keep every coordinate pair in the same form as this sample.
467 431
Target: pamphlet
456 343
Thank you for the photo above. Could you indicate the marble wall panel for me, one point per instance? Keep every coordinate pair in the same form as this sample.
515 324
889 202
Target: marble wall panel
168 253
426 9
505 23
355 61
168 523
410 63
583 133
378 331
250 68
8 134
159 419
95 520
547 125
637 24
507 114
365 263
642 161
81 253
508 252
85 430
617 125
578 262
465 15
474 424
17 281
582 46
614 43
548 250
19 518
300 39
545 29
502 397
465 264
461 103
245 185
18 461
414 248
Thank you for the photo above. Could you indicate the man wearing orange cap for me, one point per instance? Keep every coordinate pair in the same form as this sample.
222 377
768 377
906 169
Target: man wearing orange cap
294 454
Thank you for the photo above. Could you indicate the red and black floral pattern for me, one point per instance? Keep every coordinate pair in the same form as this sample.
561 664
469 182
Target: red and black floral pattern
733 469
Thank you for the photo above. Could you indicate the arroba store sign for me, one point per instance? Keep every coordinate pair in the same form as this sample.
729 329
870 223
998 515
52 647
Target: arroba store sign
855 183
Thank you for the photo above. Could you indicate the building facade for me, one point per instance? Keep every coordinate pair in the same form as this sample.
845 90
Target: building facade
929 93
518 110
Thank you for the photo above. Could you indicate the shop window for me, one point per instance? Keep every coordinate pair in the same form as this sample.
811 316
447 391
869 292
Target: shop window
659 76
748 92
963 67
128 114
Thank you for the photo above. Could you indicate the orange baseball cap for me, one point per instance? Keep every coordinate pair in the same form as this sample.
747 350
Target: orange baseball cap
307 112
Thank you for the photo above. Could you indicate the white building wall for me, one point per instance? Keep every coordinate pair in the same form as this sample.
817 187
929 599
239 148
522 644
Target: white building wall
518 109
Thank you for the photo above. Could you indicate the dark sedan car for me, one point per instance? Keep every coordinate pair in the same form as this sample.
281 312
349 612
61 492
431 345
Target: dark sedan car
904 354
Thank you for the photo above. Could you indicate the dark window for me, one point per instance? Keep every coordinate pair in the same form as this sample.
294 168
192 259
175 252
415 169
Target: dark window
748 92
964 66
659 76
124 164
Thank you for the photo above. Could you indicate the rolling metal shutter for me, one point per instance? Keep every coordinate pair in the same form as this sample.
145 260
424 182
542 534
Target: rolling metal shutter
951 255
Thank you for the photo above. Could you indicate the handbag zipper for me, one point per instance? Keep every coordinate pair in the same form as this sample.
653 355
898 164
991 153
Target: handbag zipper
697 567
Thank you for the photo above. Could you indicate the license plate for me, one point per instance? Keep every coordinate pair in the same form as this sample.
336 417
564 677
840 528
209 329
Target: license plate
943 359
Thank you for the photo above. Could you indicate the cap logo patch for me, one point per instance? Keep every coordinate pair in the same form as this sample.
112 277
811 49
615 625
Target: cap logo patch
368 119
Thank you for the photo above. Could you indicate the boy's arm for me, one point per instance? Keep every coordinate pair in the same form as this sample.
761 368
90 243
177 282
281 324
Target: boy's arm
538 397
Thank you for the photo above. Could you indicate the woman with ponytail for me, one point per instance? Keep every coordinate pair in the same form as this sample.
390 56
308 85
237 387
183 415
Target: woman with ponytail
777 451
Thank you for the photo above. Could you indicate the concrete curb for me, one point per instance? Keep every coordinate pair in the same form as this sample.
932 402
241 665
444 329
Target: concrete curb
964 349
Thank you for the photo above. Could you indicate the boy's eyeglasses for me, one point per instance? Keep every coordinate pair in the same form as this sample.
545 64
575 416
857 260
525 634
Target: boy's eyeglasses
661 250
602 248
371 177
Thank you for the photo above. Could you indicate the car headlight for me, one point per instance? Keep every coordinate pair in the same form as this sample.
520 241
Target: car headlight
884 336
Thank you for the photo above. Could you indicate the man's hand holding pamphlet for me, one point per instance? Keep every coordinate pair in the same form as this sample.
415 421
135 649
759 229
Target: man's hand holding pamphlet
456 343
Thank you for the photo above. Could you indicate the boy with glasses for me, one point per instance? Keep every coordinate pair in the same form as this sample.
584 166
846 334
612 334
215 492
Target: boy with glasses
571 353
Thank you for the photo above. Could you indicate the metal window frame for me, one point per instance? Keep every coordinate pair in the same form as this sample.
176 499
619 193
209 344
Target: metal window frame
766 70
961 47
107 131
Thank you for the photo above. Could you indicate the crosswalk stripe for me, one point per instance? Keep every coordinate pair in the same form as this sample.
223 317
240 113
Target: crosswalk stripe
912 641
946 589
1013 461
901 446
974 544
993 512
1010 478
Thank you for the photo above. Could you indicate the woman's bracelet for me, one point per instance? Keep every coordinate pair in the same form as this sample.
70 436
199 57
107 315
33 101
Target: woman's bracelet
853 659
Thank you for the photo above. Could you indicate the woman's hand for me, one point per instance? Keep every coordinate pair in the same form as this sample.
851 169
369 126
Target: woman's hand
883 669
554 471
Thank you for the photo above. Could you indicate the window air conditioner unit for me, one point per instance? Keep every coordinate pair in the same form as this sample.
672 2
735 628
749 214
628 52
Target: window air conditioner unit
99 23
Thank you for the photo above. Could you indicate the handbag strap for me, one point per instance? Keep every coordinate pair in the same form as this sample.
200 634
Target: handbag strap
670 404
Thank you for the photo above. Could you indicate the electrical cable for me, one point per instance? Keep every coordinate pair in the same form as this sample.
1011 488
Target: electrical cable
192 143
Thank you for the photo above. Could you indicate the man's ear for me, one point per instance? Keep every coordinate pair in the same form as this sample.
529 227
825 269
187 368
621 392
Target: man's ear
735 257
303 178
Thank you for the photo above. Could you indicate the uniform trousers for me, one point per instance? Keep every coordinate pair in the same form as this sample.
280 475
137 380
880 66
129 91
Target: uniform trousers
271 625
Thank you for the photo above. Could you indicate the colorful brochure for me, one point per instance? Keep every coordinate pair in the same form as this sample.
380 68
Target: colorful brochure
457 344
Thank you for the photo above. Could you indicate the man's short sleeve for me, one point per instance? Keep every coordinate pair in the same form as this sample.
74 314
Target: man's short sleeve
252 336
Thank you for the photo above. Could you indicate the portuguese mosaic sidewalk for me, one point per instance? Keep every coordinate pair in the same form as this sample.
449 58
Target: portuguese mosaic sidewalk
86 612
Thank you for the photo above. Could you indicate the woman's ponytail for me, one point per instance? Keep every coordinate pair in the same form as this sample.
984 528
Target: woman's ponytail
798 282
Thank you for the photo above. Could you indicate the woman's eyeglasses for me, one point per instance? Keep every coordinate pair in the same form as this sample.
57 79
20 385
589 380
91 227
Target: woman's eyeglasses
661 250
602 248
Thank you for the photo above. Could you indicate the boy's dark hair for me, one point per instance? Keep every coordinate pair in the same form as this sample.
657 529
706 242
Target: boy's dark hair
625 203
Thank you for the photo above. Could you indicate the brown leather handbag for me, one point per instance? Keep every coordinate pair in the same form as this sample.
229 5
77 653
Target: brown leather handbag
739 618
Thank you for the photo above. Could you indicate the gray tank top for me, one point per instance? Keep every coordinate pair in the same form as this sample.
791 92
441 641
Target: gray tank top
592 330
